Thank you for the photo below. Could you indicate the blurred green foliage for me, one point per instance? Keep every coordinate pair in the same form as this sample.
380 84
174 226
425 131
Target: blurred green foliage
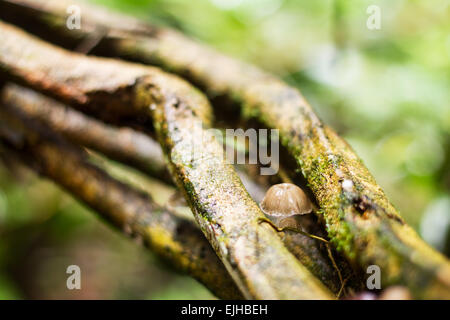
386 91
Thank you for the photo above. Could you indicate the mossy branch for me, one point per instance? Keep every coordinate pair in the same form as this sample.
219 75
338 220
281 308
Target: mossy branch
138 150
253 254
360 220
177 241
121 144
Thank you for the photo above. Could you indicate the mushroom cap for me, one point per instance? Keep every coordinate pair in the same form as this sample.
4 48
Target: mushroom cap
284 200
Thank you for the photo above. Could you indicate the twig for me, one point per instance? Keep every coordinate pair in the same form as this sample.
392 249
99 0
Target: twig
122 144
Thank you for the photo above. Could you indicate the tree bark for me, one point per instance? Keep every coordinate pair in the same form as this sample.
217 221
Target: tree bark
360 220
177 241
252 252
121 144
131 147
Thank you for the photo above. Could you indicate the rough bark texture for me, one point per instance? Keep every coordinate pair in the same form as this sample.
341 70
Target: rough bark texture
253 253
139 150
122 144
177 241
360 220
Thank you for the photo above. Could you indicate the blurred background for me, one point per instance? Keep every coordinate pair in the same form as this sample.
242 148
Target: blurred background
387 91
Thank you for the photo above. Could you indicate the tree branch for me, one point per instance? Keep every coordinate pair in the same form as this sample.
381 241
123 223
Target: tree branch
360 220
177 241
131 147
122 144
252 252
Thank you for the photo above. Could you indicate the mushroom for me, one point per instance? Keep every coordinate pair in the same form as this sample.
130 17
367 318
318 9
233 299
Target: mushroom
284 203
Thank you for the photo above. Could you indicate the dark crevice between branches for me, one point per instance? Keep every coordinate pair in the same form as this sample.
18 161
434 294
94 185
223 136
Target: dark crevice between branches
226 213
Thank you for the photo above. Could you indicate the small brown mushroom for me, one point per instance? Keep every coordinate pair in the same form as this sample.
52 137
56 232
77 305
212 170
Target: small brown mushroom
284 203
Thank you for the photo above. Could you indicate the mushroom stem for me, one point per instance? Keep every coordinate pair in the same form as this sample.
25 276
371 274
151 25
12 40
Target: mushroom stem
327 243
267 220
